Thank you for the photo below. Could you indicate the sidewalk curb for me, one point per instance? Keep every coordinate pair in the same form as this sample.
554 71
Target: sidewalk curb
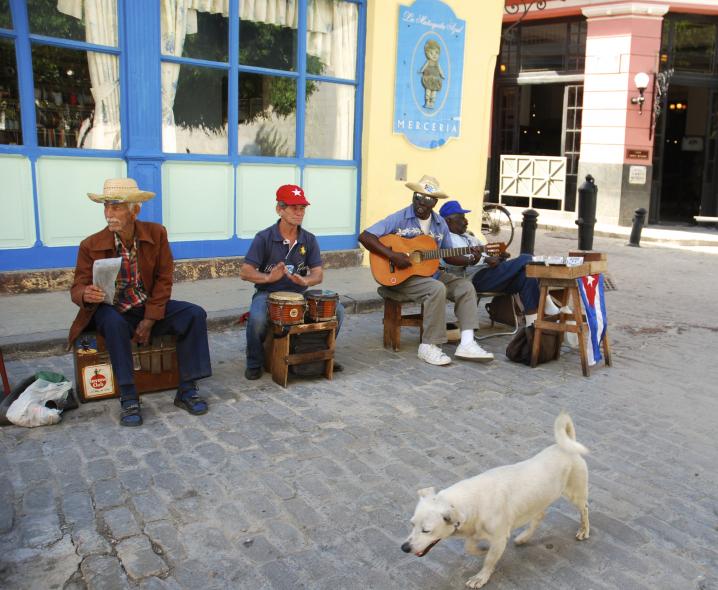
645 237
53 343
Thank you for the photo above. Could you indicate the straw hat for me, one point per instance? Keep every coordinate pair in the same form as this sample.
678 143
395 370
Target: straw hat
429 186
121 190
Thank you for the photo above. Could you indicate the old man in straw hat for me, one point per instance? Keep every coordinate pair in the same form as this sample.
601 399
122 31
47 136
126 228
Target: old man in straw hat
142 306
417 219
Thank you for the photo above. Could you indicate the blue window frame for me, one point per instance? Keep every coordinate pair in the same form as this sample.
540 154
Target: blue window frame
140 61
304 71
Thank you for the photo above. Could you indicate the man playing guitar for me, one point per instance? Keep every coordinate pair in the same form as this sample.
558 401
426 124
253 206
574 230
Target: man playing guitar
492 273
420 219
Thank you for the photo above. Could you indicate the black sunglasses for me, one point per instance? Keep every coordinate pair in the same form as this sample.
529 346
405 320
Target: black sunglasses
425 200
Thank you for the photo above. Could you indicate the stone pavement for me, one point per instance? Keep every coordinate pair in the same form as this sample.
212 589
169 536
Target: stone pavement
313 486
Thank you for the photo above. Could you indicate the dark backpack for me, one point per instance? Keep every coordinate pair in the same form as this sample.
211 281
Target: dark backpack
519 349
500 310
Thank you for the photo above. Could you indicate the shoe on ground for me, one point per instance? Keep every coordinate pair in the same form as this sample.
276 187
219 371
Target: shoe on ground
473 352
130 414
253 373
432 354
191 402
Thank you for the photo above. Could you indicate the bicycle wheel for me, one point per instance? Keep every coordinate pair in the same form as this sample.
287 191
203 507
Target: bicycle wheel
496 224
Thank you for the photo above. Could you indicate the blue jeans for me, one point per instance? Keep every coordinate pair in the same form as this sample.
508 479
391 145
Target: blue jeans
257 328
510 277
185 320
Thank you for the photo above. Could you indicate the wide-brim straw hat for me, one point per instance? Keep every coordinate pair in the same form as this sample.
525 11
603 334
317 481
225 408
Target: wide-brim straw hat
429 186
121 190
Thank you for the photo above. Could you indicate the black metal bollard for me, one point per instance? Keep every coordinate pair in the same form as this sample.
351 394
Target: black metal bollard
639 218
528 231
587 197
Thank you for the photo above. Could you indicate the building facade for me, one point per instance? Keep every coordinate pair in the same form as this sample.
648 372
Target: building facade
623 91
212 104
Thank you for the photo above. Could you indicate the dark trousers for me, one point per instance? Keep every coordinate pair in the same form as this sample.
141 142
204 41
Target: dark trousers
510 277
187 321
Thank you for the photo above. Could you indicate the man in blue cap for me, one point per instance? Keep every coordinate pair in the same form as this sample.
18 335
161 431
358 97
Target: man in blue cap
491 273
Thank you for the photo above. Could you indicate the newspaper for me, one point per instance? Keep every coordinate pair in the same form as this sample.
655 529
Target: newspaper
104 274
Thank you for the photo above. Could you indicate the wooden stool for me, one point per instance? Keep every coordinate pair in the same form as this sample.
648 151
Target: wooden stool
277 358
564 278
3 372
394 320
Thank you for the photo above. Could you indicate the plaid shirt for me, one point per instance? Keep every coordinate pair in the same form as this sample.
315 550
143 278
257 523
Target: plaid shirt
129 290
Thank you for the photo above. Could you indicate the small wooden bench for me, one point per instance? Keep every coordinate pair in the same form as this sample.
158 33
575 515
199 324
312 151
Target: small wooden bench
394 320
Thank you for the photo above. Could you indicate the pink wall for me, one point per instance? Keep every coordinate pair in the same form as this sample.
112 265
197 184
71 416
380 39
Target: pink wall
617 48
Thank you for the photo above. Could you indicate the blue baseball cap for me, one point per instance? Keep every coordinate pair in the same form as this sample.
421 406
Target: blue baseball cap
452 207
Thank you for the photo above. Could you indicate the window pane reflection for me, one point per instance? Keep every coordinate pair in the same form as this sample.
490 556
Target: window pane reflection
194 109
77 98
332 38
5 20
267 45
329 126
267 115
694 46
191 33
10 131
94 22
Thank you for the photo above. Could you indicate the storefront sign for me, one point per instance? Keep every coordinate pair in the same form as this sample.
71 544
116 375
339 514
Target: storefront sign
429 70
632 154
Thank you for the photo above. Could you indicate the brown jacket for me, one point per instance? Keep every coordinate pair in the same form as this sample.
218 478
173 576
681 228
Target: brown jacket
155 263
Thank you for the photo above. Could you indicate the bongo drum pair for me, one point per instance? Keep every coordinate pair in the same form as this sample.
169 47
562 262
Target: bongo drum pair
286 308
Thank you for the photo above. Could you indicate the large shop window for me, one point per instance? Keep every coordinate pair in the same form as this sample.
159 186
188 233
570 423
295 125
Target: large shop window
10 130
270 111
689 44
77 92
5 20
535 47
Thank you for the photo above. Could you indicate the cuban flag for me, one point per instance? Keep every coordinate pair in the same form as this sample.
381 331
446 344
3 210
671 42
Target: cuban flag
594 304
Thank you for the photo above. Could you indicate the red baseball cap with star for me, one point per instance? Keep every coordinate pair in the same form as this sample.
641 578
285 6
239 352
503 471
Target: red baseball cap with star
291 194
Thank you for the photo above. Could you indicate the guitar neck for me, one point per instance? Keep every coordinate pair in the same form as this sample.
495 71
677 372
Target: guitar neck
444 253
491 249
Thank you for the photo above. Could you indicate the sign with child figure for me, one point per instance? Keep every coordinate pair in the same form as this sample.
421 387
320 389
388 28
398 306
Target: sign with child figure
429 69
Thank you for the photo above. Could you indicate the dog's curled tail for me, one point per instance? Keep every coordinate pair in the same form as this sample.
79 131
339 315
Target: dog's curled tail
565 435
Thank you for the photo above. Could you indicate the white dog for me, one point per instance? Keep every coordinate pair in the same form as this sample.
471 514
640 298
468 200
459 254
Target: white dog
489 506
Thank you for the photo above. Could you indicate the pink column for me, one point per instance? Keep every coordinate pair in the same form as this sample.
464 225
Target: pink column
616 143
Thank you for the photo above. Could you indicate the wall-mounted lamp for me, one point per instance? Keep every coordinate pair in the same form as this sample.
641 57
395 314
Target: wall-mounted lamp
641 81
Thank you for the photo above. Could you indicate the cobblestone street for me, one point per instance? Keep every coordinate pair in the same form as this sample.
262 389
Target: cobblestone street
313 486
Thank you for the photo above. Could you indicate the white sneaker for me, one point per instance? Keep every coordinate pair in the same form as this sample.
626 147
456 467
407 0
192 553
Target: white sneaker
433 355
473 352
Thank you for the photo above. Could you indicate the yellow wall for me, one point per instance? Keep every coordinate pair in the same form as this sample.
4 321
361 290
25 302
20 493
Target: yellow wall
460 165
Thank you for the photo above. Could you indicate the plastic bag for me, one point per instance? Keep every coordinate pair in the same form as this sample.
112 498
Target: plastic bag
29 409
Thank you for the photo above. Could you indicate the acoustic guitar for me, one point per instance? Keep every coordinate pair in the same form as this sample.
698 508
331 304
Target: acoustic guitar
423 254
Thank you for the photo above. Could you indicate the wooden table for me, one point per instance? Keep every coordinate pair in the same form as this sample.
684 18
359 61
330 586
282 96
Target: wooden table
564 279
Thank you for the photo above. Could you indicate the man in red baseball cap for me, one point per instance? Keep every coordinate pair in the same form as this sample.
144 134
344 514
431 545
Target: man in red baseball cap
282 257
291 194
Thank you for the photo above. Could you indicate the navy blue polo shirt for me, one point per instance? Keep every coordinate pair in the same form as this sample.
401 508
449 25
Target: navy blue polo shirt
269 248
